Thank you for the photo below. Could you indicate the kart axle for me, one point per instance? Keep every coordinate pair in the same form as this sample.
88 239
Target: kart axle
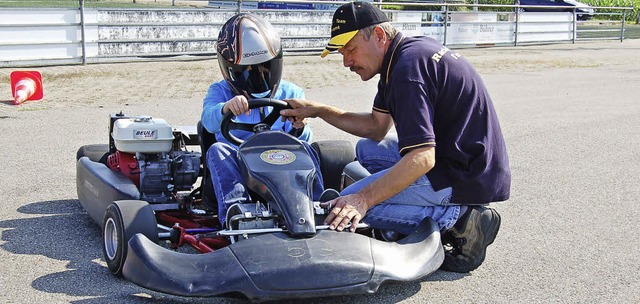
179 236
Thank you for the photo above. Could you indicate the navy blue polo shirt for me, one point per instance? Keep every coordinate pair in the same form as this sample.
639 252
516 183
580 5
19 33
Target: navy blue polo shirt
436 98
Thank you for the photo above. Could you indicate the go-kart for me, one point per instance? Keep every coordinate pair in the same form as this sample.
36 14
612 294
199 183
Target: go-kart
152 197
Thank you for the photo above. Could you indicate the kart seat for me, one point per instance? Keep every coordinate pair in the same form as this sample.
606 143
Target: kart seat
206 189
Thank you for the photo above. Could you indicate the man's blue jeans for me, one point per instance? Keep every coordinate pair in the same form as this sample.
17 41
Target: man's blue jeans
406 210
229 185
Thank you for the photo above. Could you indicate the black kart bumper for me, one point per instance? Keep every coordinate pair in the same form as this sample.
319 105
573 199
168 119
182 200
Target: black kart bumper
275 266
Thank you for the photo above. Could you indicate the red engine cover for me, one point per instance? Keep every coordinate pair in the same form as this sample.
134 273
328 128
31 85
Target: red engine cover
125 163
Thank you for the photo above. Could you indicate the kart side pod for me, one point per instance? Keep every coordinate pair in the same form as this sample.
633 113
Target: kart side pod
98 186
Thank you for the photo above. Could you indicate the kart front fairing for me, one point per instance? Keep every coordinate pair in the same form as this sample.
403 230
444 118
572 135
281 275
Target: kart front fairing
276 266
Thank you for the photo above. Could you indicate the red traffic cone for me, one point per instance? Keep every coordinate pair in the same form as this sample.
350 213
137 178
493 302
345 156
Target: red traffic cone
26 85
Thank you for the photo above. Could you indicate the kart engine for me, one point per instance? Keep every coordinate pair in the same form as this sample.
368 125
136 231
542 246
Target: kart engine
145 152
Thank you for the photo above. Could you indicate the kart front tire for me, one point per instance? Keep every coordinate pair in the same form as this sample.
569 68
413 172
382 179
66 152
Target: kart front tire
122 220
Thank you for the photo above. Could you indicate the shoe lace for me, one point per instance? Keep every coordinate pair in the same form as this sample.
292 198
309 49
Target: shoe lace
453 244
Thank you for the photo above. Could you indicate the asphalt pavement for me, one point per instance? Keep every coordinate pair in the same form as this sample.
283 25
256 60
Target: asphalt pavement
568 235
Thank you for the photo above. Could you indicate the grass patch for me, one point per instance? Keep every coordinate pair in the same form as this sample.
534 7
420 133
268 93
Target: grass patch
632 31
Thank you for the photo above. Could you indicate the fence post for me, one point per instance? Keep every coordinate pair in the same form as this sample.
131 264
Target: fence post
624 18
574 24
446 23
82 33
517 29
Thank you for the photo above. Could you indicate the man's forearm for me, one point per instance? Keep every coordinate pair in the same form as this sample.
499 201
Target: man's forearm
358 124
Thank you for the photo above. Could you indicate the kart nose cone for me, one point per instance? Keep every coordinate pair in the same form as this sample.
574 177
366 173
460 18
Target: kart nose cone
276 266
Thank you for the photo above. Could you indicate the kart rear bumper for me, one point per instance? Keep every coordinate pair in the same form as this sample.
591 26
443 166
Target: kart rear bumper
275 266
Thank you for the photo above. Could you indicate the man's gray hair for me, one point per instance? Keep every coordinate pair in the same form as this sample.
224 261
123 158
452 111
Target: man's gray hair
389 30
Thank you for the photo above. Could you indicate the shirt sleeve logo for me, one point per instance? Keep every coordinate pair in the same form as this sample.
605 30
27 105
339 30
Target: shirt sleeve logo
437 56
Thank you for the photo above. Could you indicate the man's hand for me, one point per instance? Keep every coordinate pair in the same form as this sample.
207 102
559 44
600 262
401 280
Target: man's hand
237 105
347 209
301 110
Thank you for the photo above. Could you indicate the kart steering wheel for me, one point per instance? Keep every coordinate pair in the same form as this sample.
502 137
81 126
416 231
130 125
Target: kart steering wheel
227 124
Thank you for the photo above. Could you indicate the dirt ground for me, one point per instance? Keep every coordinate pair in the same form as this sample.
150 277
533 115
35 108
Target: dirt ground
178 79
185 78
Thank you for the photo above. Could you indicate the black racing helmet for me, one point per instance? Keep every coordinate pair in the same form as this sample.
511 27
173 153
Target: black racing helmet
250 56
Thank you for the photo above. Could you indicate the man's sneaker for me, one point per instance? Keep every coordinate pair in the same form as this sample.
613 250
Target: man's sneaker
466 242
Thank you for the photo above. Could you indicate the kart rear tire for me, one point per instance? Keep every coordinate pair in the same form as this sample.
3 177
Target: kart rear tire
95 153
334 156
122 220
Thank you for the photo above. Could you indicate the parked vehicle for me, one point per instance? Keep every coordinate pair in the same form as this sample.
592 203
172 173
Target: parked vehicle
583 11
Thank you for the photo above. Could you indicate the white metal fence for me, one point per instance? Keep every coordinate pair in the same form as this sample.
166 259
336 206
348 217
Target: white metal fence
52 36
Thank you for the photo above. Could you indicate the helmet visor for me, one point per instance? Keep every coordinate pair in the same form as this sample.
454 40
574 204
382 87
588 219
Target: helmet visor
255 79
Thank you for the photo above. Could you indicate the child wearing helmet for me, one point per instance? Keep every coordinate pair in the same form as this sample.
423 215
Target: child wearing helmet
250 60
